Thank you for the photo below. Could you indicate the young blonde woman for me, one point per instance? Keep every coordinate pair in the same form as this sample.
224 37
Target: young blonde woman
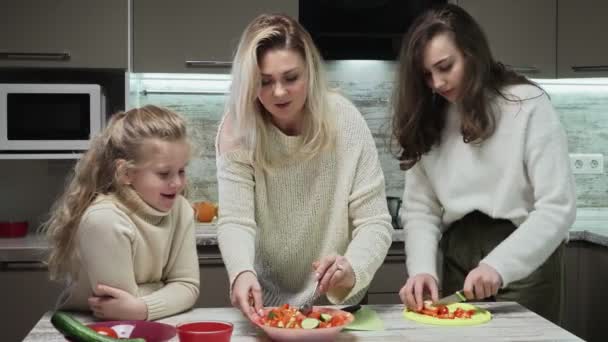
300 184
122 234
488 174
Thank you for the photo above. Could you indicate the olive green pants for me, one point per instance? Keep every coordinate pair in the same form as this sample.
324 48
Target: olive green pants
470 239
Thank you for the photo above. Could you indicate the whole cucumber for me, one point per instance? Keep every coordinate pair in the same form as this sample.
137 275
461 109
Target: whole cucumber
78 332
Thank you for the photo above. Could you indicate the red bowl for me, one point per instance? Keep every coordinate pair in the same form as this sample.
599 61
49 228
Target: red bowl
148 330
13 229
317 335
207 331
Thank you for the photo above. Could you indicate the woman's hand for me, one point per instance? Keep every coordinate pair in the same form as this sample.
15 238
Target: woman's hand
247 295
334 271
110 303
482 282
412 293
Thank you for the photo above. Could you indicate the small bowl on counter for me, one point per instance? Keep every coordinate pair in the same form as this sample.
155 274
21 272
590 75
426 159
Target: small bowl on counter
148 330
13 229
205 331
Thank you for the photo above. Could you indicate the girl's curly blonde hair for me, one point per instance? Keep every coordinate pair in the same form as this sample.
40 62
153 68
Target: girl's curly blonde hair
98 172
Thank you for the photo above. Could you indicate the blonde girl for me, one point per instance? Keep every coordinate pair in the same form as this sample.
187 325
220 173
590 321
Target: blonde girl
122 233
300 185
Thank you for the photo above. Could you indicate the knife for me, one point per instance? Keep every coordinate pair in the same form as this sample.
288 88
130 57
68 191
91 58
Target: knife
457 297
352 308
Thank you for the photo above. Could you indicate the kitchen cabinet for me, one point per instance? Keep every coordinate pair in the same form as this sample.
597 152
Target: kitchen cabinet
581 40
214 290
194 36
586 296
27 293
521 33
570 306
390 277
64 34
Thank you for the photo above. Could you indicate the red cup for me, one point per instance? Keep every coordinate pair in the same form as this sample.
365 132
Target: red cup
207 331
13 229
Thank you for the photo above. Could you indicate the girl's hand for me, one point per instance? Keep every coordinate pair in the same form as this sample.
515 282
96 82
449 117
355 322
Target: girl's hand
110 303
482 282
334 271
247 295
412 293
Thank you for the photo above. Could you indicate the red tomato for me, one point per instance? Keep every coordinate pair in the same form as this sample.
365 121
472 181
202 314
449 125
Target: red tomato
314 314
105 331
428 312
442 310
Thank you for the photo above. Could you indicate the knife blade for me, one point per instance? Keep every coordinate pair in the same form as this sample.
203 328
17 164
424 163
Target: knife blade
456 297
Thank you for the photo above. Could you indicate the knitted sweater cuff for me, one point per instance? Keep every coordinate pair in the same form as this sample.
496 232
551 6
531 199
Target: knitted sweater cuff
156 306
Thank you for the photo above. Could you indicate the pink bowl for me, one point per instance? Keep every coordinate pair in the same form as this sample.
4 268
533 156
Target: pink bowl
207 331
150 331
320 334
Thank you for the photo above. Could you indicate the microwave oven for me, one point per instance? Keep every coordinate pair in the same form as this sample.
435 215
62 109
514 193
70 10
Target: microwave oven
49 117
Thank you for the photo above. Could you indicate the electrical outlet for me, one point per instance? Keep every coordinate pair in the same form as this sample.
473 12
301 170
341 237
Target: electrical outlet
587 163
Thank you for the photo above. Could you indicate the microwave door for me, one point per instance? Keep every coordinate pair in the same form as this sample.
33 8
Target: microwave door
50 120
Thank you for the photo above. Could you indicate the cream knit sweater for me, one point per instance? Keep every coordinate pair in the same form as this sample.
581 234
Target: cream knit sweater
277 223
521 173
150 254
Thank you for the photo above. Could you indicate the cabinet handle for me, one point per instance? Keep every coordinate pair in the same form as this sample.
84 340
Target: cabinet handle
23 266
210 260
584 68
525 69
148 92
36 56
206 64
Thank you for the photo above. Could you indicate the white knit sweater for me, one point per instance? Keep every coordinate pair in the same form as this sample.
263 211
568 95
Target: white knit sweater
277 223
521 173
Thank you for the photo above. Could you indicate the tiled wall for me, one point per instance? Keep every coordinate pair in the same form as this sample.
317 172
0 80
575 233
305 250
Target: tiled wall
369 85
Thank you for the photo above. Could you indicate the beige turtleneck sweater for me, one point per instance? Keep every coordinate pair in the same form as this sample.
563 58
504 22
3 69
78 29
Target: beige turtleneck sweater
277 223
148 253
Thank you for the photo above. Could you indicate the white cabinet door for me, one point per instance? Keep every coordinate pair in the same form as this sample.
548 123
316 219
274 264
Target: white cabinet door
521 33
582 45
194 35
64 33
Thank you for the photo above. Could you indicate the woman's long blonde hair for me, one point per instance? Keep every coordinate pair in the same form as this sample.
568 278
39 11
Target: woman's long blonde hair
249 117
99 172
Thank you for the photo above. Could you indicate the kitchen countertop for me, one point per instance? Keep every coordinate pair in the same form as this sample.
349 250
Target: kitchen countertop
510 322
591 225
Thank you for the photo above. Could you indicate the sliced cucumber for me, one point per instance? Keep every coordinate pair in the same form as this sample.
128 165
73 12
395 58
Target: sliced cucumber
325 317
310 323
78 332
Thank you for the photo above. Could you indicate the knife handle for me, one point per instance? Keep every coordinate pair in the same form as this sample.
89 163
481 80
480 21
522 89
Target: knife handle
352 308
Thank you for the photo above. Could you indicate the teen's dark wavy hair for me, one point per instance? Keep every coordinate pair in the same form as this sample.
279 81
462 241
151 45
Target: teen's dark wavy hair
419 115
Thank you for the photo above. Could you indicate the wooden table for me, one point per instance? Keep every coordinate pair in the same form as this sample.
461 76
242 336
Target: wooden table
510 322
